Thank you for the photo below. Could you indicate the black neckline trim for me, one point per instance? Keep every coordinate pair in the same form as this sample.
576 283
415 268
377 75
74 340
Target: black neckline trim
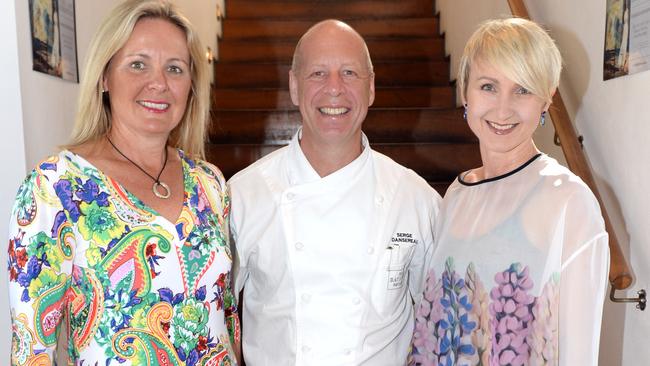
522 166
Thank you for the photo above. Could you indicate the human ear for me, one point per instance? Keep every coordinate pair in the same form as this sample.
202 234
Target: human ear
293 88
372 89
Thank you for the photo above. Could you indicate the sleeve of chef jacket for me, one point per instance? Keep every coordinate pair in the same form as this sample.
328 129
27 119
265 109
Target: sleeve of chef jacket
239 269
424 250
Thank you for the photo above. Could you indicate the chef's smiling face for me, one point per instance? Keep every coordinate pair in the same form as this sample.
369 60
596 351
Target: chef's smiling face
333 86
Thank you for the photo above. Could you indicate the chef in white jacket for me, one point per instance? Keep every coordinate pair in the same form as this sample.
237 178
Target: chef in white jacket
331 238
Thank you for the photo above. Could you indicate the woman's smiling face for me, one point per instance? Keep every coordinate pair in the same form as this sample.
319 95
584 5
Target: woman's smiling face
149 79
501 113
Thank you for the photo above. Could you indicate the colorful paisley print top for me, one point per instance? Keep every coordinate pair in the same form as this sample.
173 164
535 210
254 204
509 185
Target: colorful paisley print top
132 287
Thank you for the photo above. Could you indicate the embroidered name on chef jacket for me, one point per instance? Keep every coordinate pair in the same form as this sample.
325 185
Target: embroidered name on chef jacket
403 238
400 248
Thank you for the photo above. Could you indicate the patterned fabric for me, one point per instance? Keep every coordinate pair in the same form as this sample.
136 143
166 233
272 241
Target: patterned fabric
513 253
132 287
460 322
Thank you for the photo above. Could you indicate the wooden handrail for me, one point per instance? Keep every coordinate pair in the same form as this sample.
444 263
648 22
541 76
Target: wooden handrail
620 276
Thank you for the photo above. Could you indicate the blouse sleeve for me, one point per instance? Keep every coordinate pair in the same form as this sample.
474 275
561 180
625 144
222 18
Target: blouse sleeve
41 247
422 257
230 298
232 313
585 266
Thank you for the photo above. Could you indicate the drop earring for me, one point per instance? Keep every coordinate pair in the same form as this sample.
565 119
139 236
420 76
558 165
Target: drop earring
465 112
542 119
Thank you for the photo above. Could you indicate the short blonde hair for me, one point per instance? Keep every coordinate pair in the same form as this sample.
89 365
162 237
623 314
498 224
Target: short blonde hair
519 48
93 114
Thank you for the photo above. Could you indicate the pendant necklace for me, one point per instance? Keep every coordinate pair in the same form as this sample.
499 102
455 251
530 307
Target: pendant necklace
157 184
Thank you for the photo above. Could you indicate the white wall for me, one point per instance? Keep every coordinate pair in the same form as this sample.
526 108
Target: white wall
203 15
38 109
49 102
614 118
12 151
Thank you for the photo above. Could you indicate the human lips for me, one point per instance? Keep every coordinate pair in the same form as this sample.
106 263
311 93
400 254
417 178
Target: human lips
333 111
501 129
154 106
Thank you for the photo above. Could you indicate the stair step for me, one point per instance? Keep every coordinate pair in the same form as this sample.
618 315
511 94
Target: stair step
236 9
429 48
441 187
274 75
381 126
293 29
413 97
435 162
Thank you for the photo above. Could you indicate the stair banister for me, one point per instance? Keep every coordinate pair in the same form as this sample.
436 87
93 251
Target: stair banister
620 276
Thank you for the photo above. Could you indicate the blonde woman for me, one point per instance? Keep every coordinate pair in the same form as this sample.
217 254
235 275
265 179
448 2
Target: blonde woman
124 233
518 276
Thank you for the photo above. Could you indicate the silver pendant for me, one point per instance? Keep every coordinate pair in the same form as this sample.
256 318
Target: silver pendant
165 187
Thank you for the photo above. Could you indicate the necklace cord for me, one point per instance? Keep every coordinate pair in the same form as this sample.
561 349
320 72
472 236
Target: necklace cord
156 179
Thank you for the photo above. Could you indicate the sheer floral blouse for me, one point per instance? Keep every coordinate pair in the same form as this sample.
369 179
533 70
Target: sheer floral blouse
518 276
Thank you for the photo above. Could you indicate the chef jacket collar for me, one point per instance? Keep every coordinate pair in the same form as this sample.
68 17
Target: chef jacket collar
300 171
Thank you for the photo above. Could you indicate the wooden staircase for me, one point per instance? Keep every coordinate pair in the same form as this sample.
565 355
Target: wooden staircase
414 118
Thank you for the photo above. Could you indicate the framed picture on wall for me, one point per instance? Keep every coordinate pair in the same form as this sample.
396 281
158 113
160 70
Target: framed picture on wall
617 39
627 38
54 39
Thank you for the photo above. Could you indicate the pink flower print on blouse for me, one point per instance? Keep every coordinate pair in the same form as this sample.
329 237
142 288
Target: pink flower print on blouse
543 338
512 314
427 317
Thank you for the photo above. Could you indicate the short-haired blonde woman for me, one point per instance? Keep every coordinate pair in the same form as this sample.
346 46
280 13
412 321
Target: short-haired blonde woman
124 233
518 276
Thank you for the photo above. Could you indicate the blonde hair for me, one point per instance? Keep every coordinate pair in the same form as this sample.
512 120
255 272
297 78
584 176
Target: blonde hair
93 114
519 48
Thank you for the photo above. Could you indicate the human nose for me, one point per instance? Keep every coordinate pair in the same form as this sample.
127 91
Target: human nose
158 79
504 107
334 84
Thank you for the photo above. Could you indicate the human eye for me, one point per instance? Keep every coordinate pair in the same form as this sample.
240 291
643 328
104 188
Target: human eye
174 69
317 75
137 65
349 74
488 87
522 90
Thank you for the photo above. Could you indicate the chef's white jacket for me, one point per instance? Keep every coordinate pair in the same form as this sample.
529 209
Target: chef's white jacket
330 267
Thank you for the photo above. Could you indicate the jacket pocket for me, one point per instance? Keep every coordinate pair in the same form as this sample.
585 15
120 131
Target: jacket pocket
399 257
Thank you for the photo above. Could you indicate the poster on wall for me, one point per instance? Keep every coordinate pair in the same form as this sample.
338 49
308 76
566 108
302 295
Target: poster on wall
54 40
639 58
627 38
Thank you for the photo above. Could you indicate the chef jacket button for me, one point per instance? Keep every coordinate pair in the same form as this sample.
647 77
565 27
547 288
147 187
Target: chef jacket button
371 250
356 301
299 245
290 196
347 351
305 297
306 349
380 200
